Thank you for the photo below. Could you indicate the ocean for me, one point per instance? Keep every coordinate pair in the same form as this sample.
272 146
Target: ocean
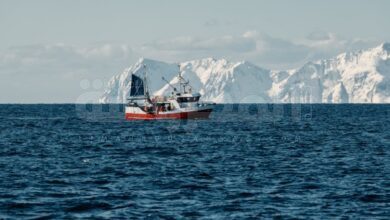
319 161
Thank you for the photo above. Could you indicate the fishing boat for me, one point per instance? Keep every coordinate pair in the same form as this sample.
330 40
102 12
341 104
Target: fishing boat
181 104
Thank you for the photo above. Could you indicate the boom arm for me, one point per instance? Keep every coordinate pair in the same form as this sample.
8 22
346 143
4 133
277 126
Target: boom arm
174 88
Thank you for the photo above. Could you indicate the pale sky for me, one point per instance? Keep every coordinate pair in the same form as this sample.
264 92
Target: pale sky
50 49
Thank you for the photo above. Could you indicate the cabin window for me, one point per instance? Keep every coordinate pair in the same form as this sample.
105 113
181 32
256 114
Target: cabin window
188 99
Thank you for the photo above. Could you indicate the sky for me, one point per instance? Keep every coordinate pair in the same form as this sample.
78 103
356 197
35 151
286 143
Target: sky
57 51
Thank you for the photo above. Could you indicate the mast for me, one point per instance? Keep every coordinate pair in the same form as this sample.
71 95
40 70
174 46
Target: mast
180 89
145 86
183 83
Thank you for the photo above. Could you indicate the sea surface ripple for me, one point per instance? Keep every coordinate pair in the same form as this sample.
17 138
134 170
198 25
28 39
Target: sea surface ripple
246 161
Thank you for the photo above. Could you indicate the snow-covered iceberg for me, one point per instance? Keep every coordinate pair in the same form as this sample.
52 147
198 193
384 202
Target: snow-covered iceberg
354 77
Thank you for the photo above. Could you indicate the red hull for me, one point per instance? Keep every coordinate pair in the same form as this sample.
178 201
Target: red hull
181 115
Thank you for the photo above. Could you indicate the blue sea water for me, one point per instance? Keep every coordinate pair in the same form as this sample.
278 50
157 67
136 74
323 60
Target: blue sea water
246 161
